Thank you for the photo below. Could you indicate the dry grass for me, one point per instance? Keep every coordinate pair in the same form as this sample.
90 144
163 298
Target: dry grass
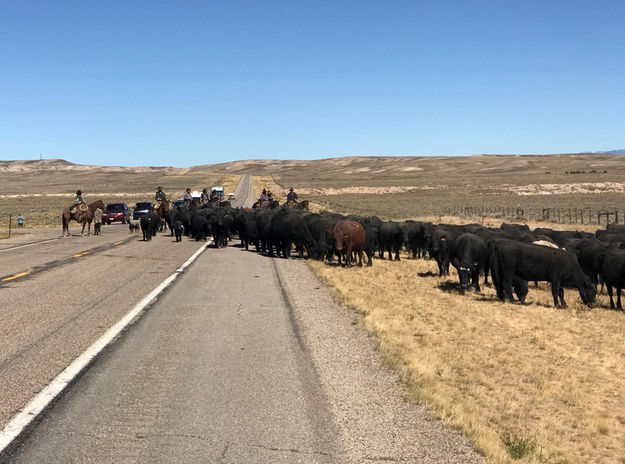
512 377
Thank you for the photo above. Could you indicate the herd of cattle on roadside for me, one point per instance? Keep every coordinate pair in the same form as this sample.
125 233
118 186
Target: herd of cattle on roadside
512 254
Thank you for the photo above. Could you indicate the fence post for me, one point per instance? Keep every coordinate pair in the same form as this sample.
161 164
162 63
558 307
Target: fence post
10 215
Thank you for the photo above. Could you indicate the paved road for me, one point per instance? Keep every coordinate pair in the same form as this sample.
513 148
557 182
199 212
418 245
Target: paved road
244 193
213 373
40 247
68 292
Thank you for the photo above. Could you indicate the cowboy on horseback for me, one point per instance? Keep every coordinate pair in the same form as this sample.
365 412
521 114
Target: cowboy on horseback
291 196
78 203
159 197
263 196
269 195
204 196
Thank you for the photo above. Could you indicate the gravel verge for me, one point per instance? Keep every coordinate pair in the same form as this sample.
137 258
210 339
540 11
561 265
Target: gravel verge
365 397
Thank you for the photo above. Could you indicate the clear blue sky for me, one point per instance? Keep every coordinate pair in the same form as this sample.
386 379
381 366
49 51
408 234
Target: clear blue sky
200 82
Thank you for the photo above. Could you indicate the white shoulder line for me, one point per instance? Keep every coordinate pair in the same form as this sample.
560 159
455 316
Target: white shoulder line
31 411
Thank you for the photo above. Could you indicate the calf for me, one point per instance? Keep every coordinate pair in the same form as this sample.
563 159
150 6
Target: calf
178 230
97 228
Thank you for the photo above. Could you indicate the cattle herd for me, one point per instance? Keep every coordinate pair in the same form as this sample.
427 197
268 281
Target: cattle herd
511 255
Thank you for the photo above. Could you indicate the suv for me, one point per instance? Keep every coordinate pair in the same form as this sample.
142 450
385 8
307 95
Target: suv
141 209
116 212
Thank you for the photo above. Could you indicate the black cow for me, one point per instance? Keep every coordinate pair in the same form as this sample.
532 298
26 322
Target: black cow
149 225
391 239
371 242
514 229
468 255
199 227
538 263
178 230
220 222
288 228
250 234
440 239
615 228
613 273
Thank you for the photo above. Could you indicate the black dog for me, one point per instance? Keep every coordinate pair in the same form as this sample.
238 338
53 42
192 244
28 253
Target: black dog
178 230
97 228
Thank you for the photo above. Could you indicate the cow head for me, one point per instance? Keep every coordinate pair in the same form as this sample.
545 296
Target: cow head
465 272
588 292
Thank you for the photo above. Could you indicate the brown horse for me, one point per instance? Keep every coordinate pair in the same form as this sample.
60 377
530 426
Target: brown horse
86 217
301 205
161 209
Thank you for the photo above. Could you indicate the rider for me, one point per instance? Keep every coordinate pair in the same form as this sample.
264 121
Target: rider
263 196
78 202
160 195
291 196
214 196
204 196
187 197
269 195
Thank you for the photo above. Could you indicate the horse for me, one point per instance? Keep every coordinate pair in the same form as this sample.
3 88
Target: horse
86 217
305 204
161 209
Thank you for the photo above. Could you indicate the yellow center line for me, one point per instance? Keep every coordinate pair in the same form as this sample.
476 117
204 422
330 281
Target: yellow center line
16 276
117 243
81 254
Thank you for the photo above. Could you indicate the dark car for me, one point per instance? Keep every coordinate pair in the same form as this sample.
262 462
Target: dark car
116 212
141 209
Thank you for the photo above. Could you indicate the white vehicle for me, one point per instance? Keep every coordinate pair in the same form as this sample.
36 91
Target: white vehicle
231 196
219 189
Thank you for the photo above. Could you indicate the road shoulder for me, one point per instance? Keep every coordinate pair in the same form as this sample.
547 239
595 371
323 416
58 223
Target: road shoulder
365 397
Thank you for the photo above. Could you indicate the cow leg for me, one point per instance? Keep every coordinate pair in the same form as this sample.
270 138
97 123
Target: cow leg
348 255
561 295
476 280
618 298
507 288
397 258
609 287
440 267
557 292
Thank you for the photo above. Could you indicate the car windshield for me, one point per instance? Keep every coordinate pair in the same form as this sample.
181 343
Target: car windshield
144 205
116 207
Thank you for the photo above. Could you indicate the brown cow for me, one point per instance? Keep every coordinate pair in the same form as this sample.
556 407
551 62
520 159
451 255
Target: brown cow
349 236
